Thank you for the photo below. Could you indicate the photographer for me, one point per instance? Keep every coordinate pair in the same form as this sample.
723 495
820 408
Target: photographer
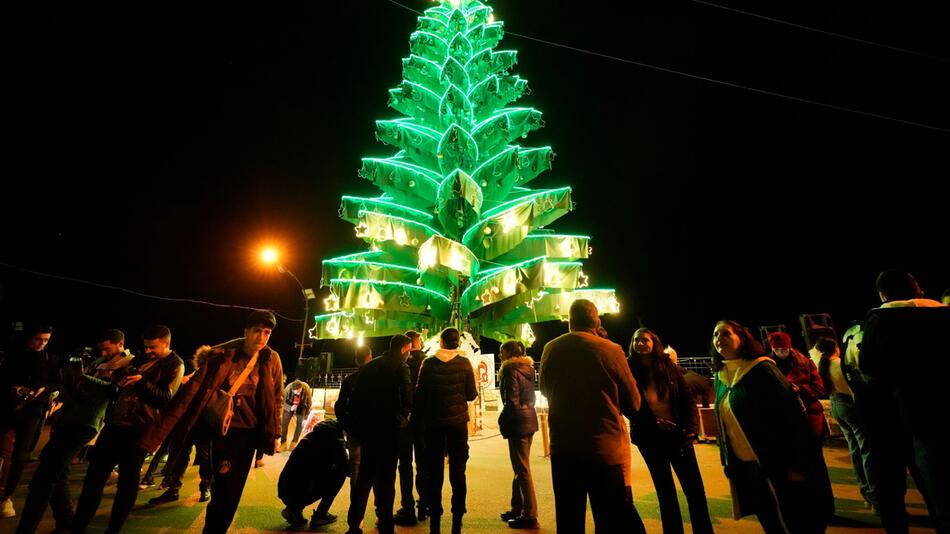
86 396
29 379
144 387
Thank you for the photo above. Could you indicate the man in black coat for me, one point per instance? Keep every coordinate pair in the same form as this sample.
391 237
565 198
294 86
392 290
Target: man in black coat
378 409
315 472
410 440
904 353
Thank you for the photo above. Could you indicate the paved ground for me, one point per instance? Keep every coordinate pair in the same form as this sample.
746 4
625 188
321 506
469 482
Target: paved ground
489 482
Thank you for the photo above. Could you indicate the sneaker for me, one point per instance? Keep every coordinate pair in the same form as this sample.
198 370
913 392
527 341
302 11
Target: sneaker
294 517
259 463
320 520
405 517
169 496
509 515
147 482
205 495
6 508
524 522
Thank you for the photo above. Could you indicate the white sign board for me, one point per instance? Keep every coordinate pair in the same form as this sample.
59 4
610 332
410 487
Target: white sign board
484 367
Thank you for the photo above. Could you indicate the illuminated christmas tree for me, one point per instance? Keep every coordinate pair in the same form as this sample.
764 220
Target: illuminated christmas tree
457 238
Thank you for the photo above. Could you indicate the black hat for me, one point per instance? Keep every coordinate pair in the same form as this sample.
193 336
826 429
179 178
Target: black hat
260 318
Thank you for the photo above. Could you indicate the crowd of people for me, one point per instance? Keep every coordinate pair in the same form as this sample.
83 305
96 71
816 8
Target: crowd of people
407 413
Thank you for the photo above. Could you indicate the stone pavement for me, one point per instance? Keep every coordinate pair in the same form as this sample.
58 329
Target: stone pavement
489 484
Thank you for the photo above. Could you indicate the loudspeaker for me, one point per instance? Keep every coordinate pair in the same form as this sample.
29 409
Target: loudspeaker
325 362
307 369
814 326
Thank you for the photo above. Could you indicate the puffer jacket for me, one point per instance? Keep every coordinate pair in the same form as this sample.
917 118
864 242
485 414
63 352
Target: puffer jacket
446 385
518 417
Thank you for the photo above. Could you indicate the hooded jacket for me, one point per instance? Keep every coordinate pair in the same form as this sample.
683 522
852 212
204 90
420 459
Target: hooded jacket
446 385
518 417
192 398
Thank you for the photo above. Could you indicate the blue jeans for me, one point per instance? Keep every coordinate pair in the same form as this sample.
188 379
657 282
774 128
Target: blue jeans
848 417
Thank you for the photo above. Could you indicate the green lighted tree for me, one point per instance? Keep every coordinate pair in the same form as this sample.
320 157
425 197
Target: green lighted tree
457 238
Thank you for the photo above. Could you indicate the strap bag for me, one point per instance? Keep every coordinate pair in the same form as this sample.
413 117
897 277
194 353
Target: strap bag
219 410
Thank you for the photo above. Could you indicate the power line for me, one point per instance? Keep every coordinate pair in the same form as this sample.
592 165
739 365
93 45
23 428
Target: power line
738 86
825 32
719 82
138 293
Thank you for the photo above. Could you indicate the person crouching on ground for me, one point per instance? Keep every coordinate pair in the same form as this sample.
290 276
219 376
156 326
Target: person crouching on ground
315 471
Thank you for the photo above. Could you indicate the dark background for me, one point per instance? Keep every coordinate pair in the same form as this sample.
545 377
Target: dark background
155 148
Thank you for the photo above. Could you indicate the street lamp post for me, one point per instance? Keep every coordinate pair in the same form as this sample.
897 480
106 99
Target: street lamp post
271 256
307 296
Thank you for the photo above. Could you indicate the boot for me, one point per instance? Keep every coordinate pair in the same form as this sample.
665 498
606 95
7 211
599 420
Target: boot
435 524
456 523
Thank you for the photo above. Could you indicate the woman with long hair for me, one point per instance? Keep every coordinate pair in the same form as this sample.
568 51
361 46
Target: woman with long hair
844 411
664 429
518 422
767 448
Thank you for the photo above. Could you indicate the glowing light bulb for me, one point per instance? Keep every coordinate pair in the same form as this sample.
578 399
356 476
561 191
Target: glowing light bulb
401 237
510 283
509 221
455 261
428 255
567 247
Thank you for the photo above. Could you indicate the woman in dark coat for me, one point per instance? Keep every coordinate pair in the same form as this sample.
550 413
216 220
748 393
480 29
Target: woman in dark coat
518 422
664 429
767 448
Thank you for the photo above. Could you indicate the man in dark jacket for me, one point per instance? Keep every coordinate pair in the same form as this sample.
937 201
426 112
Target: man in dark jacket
315 472
379 407
590 389
256 421
411 440
362 356
145 387
86 396
29 378
446 386
904 353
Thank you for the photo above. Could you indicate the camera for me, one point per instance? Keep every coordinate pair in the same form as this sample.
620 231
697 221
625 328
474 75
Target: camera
81 355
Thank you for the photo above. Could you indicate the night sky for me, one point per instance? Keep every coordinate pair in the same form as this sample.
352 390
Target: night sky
155 148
